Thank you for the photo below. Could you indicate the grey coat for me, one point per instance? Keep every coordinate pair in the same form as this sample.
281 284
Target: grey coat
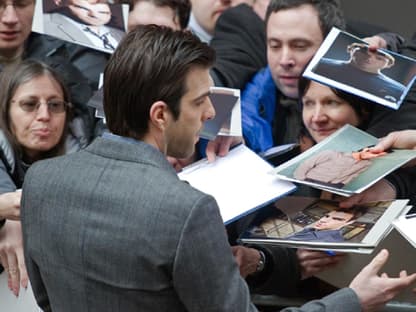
112 228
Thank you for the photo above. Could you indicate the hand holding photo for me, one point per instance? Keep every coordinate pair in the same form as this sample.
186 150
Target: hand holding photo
344 61
344 163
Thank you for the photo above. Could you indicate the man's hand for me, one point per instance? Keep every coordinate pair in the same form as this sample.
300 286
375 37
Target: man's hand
11 255
221 146
375 291
10 205
247 259
313 262
382 190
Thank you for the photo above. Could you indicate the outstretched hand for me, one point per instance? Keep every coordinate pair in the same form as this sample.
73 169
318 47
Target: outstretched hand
374 290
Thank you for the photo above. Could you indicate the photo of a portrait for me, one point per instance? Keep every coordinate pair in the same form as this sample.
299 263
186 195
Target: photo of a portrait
93 23
321 221
334 168
344 163
345 62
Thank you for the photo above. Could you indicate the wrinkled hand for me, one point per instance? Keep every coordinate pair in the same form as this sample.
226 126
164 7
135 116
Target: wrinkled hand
313 262
10 205
375 42
375 291
11 255
247 259
382 190
221 146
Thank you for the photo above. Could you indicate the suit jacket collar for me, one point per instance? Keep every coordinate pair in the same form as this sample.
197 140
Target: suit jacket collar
139 152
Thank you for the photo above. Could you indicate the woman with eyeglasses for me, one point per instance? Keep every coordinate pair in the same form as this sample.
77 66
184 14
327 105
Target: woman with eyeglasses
35 111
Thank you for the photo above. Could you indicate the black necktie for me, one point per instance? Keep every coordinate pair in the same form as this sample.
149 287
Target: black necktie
104 39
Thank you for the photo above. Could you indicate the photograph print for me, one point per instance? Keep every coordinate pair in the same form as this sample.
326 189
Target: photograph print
344 61
93 23
319 224
344 163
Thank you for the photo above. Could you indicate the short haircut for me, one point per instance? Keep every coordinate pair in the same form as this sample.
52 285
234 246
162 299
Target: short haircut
181 8
150 64
329 11
11 78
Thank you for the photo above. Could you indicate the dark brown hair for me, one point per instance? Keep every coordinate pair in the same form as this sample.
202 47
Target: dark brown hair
150 64
361 106
329 11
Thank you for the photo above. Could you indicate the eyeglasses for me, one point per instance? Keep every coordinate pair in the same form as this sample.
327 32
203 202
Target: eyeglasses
54 106
17 4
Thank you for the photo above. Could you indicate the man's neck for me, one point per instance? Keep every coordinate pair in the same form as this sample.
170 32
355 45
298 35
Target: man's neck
11 56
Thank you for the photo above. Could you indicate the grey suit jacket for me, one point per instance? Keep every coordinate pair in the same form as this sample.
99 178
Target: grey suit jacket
58 25
112 228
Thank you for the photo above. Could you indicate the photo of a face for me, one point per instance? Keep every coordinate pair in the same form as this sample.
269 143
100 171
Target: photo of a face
348 63
90 12
370 61
97 24
333 220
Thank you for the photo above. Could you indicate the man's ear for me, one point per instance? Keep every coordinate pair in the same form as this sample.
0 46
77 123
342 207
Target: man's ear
159 115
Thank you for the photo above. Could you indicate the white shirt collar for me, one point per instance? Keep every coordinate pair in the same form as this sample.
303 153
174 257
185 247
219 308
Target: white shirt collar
198 30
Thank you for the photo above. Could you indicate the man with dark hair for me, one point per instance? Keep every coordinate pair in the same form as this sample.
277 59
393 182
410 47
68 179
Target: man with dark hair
112 228
171 13
295 29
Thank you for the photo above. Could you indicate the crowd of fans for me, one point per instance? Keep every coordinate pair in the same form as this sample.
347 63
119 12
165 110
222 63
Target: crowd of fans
262 48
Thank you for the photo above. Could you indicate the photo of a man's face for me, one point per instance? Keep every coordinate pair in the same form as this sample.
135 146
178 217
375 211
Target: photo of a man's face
333 220
97 24
369 61
90 12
